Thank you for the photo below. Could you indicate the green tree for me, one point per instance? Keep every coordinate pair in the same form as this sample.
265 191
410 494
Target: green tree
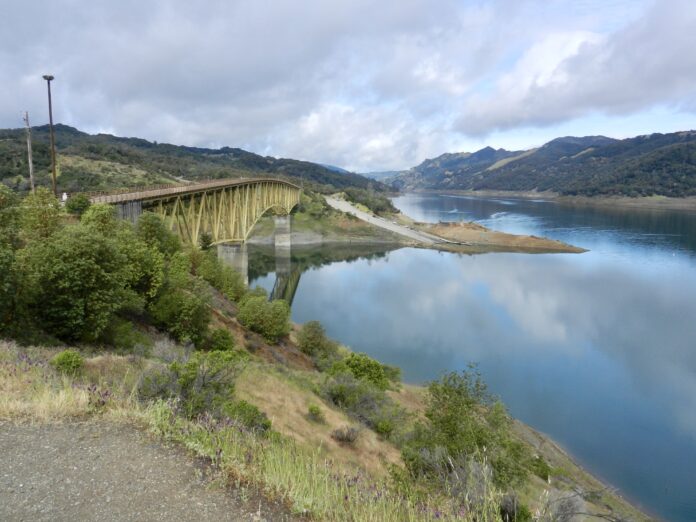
461 421
78 204
362 366
270 319
39 215
218 275
151 229
9 216
73 282
182 305
102 218
8 286
312 338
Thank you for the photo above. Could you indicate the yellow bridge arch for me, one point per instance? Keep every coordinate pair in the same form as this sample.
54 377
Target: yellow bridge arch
225 209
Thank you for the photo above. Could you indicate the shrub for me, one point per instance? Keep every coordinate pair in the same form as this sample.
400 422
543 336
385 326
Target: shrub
248 414
184 312
78 204
74 281
363 401
363 367
219 275
462 420
540 467
270 319
206 381
220 339
315 414
205 241
346 435
313 341
69 362
157 382
39 215
101 217
152 230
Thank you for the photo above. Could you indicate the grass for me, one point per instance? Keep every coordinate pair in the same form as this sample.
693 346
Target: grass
299 462
305 476
79 173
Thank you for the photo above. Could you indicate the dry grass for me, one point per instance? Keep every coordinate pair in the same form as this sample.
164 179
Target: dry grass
286 403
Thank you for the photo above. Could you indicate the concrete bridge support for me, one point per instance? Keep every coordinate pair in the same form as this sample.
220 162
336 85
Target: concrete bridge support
283 232
235 255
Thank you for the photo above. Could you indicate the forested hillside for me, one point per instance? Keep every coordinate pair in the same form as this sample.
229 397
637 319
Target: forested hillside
103 162
658 164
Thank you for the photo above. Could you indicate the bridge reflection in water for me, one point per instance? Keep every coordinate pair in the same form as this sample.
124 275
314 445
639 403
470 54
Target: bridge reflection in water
279 270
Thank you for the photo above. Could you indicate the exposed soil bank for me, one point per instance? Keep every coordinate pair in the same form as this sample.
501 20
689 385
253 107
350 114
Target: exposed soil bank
472 235
647 202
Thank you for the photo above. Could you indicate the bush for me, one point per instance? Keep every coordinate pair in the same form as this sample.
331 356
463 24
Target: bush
363 367
313 341
540 467
152 230
73 282
270 319
248 414
184 312
69 362
157 382
78 204
462 420
346 435
205 241
39 215
221 340
315 414
206 381
222 277
363 401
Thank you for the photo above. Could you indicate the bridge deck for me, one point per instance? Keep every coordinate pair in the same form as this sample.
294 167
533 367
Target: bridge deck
158 193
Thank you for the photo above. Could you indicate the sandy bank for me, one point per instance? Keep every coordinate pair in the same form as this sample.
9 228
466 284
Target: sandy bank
472 235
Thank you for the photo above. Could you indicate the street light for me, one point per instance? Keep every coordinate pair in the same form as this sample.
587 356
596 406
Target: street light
48 78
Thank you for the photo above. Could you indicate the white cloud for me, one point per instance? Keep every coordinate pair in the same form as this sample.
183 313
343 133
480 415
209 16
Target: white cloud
367 85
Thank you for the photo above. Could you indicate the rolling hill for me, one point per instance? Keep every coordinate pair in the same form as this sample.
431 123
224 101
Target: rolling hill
656 164
102 162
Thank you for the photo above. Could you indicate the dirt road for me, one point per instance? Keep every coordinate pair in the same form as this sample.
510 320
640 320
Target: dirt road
103 471
414 235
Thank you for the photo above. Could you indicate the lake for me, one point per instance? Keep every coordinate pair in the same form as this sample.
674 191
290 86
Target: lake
597 350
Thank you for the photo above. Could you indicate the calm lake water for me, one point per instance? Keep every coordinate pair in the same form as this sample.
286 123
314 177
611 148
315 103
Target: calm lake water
598 350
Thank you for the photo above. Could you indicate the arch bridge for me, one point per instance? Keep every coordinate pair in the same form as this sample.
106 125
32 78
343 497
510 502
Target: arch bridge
226 209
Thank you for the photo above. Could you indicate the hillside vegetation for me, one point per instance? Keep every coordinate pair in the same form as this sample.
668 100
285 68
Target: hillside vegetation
658 164
102 162
123 323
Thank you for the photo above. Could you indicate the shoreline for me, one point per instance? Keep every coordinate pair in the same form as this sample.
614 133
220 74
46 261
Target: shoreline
640 203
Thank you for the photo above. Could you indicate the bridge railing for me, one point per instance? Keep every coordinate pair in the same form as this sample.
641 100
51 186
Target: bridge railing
111 196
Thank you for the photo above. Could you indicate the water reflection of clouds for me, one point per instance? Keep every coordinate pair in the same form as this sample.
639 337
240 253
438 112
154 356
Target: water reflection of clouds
429 311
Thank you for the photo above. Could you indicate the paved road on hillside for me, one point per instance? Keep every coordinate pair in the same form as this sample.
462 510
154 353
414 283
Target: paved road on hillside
421 237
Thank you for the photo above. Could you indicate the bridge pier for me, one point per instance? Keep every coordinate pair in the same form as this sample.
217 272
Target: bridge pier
283 233
129 210
235 255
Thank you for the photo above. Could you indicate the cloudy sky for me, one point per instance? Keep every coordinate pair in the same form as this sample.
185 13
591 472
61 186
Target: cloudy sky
366 85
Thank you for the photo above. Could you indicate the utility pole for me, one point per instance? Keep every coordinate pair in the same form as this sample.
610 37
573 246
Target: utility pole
48 79
29 159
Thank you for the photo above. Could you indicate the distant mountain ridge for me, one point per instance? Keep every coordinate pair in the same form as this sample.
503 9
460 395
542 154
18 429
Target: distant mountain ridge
656 164
102 162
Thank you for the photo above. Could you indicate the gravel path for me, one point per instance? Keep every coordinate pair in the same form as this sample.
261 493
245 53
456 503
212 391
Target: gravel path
103 471
344 206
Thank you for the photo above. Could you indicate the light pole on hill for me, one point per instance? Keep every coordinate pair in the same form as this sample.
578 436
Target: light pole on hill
48 79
